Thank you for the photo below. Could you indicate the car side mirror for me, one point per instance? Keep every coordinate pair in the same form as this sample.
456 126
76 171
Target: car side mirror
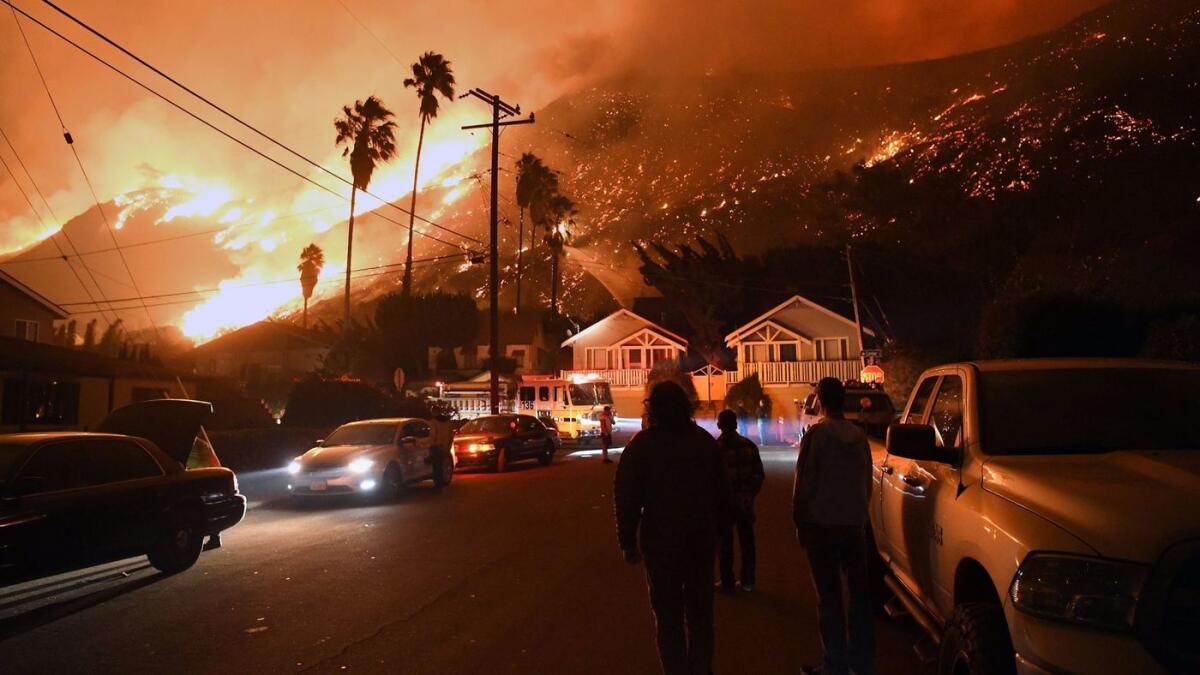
917 442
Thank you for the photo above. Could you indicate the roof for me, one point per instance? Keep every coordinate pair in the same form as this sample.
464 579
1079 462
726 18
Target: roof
753 323
264 336
1075 364
638 317
33 295
39 357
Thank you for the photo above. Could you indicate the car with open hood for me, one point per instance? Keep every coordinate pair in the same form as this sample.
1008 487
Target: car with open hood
74 499
378 457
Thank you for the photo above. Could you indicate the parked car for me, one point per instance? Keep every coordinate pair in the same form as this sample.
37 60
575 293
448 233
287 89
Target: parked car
380 457
496 441
75 499
1028 528
869 407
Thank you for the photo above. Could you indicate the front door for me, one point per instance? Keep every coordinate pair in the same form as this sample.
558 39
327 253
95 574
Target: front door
899 501
416 443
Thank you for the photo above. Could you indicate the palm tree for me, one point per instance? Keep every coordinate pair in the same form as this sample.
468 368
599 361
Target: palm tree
369 134
560 214
312 259
534 180
431 76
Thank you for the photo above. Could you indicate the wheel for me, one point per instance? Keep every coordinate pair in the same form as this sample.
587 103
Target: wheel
547 455
976 642
393 483
443 469
178 549
501 461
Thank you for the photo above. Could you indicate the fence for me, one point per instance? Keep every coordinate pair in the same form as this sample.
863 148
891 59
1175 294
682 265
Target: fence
796 372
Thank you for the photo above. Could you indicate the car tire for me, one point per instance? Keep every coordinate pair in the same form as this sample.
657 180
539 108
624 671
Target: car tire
178 548
501 463
976 642
443 470
393 483
547 455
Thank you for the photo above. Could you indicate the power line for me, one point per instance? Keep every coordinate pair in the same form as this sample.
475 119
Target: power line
370 32
235 118
226 134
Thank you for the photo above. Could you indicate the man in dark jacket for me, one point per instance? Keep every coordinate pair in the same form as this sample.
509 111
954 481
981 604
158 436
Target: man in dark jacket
744 475
667 497
830 500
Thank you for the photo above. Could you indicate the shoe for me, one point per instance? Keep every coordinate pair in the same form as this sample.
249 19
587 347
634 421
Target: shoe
745 586
723 588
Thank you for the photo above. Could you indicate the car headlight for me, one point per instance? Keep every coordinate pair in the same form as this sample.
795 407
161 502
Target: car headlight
1079 589
294 467
481 447
360 465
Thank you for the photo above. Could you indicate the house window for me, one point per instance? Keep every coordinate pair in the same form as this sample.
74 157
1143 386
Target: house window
832 349
40 402
26 330
760 353
633 358
517 355
787 352
597 358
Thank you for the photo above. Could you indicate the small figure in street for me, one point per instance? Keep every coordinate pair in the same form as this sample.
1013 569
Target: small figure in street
441 440
744 478
830 499
668 494
763 413
743 419
606 428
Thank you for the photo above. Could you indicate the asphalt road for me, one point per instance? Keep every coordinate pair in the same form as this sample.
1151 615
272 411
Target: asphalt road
510 573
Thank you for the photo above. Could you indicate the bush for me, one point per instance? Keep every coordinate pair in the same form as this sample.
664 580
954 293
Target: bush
318 402
747 392
671 370
256 449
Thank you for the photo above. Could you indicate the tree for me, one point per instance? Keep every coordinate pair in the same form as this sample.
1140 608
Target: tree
409 326
560 215
369 134
312 259
110 341
534 181
89 335
432 75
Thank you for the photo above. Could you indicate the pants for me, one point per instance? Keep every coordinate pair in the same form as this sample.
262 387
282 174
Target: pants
681 594
743 523
847 633
763 423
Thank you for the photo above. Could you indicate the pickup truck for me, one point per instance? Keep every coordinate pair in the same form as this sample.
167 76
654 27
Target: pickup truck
1043 516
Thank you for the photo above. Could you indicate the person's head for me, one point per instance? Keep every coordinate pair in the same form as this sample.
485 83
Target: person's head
668 405
831 394
727 420
608 408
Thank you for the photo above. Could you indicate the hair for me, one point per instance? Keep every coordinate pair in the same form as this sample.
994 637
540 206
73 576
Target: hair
727 420
608 407
668 405
832 394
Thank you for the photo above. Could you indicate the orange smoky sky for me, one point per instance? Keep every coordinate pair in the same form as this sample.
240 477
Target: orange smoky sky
289 65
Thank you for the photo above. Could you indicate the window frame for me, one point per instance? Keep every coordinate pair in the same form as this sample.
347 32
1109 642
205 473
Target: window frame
21 329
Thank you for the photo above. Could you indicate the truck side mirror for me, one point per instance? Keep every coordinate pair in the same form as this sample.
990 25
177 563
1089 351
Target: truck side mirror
917 442
320 442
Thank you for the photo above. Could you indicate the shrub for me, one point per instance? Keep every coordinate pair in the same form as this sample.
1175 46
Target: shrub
256 449
319 402
670 370
747 392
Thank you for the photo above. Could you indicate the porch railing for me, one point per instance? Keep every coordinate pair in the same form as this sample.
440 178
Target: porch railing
624 377
796 372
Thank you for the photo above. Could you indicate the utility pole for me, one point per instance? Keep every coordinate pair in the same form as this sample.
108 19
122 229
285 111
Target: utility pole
862 360
498 107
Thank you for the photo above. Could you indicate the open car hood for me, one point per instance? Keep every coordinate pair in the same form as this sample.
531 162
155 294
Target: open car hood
170 423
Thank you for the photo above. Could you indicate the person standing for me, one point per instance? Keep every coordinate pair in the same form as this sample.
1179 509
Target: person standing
743 418
667 497
744 478
830 499
763 413
606 429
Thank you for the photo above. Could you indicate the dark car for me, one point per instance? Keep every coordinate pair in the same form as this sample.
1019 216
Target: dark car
75 499
495 441
868 407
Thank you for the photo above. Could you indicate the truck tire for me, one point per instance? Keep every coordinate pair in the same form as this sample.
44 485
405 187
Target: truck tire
177 549
976 642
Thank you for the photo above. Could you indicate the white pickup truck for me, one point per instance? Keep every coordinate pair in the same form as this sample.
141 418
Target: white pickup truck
1043 516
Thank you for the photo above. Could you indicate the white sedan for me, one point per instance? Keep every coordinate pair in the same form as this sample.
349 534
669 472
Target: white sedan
375 457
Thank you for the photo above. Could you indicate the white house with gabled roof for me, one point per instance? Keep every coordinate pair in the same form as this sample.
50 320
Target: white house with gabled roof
797 342
622 348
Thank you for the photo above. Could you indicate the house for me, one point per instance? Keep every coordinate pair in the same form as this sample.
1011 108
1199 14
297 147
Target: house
51 388
622 348
261 353
522 339
24 313
793 345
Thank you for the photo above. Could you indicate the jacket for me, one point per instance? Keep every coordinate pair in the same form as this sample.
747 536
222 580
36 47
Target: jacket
743 470
833 475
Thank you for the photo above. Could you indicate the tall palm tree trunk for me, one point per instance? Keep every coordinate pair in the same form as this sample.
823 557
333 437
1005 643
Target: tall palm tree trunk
520 250
406 288
554 283
349 255
306 312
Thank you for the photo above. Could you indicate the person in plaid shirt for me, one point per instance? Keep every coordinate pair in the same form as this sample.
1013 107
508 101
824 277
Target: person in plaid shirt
744 475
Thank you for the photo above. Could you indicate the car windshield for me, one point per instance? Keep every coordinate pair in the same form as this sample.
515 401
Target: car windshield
9 455
362 434
486 425
591 393
1090 410
868 402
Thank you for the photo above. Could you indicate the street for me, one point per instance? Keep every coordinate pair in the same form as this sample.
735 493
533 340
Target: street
503 573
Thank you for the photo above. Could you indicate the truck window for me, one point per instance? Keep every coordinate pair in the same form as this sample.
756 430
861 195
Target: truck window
916 411
947 415
526 394
543 393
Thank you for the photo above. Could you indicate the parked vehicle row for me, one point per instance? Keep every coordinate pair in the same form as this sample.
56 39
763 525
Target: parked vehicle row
1041 516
